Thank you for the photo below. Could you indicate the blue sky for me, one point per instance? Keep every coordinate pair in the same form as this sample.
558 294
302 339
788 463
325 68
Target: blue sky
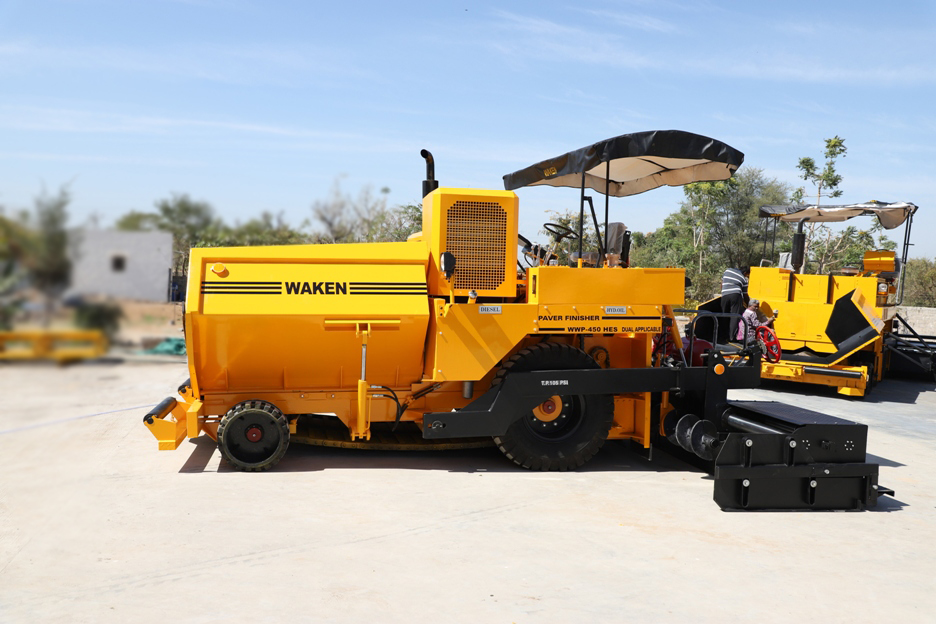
260 105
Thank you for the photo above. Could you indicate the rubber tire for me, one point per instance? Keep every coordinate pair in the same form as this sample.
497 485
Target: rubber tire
256 410
596 414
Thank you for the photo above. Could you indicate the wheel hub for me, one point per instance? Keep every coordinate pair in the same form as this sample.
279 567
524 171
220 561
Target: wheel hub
254 433
549 410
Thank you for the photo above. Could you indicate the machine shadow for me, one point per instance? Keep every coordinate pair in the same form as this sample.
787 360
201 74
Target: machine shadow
202 449
885 504
882 461
615 456
899 391
887 391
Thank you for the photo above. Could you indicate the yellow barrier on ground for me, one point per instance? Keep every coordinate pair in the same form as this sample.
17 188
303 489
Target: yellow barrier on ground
58 345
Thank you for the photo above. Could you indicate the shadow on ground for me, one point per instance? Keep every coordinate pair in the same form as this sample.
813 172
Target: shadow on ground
615 456
887 391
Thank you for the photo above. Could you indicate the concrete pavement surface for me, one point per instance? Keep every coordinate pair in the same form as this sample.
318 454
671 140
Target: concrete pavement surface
96 525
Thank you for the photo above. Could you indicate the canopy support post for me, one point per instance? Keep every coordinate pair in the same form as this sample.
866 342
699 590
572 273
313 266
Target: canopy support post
601 245
903 260
581 219
607 195
773 242
766 235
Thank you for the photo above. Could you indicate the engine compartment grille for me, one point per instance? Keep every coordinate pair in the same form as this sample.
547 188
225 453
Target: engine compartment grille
475 233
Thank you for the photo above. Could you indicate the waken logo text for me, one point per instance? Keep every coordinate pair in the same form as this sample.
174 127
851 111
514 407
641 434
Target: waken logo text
316 288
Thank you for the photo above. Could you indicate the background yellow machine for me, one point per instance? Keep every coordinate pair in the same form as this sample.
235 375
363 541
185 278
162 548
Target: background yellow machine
448 336
61 345
841 329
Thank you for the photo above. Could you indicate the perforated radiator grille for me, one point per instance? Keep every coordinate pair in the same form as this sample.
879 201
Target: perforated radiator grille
475 234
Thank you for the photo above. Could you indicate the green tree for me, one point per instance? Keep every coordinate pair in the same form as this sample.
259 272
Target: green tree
716 226
826 182
190 222
736 231
136 221
920 283
397 224
47 260
265 230
15 241
570 219
832 251
343 218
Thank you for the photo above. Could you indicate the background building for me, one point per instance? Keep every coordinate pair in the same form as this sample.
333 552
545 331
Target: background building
123 265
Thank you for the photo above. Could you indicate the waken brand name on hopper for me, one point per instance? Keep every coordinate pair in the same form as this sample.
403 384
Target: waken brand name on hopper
316 288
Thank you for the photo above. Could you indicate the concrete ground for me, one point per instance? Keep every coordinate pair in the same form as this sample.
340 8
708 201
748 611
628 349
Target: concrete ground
96 525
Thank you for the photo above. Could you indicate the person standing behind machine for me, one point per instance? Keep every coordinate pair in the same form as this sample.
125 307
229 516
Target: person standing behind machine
734 295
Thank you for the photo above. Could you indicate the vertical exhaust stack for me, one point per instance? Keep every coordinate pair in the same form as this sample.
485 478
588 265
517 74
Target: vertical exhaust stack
798 257
430 183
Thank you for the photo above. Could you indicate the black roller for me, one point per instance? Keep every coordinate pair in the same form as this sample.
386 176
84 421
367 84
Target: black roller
160 411
749 426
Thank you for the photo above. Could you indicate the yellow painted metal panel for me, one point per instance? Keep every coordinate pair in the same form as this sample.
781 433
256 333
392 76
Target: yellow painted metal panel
469 343
794 371
288 324
606 286
479 227
803 321
769 284
597 319
811 288
880 260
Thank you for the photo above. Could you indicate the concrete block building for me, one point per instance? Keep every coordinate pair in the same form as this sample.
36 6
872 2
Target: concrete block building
123 265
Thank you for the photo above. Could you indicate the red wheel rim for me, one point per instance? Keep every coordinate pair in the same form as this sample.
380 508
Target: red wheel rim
772 350
254 433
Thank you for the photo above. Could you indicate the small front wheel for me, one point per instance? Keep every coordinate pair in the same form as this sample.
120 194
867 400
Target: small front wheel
253 436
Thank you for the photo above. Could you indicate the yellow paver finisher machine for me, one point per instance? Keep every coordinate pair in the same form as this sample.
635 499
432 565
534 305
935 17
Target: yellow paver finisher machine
459 336
842 328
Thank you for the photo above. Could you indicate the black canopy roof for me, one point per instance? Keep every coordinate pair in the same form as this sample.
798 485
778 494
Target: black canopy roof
635 163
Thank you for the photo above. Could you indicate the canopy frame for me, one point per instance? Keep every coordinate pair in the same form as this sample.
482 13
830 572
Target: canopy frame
645 160
896 213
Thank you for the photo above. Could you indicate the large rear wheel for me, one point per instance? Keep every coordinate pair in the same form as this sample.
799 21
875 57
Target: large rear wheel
253 436
565 430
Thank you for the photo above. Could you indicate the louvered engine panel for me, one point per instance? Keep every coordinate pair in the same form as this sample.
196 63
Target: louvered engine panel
476 234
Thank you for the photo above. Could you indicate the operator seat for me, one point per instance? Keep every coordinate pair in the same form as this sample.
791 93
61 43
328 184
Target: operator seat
618 247
618 244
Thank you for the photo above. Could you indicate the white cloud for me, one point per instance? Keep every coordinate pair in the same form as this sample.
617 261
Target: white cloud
637 21
96 159
549 42
282 64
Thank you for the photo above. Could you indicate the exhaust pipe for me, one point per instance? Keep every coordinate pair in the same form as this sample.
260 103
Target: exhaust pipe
798 257
430 183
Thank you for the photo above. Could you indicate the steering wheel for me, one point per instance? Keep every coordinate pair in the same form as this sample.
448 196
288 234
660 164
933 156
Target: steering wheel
560 231
769 344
